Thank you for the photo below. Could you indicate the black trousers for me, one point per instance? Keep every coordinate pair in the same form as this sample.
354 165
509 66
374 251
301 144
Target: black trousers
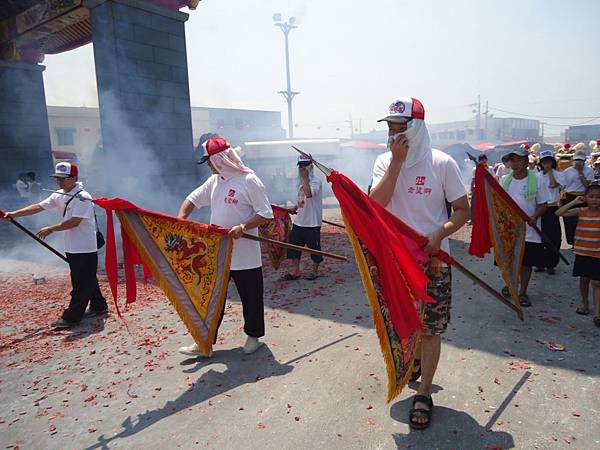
249 284
551 228
570 222
309 236
85 286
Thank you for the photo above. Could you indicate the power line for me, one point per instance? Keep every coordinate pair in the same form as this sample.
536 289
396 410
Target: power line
572 124
543 117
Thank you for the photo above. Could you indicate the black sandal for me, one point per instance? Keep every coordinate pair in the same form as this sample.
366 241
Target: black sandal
414 411
416 374
290 277
524 301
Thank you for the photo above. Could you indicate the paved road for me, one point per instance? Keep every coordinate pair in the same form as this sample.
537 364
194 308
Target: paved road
319 382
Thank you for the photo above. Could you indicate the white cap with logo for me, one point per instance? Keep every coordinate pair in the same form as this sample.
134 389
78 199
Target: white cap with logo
403 109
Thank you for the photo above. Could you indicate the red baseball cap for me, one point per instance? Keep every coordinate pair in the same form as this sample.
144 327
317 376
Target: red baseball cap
65 170
213 146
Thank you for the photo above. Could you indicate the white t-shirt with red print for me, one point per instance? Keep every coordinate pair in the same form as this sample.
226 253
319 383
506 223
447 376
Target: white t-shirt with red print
232 202
82 238
421 191
310 209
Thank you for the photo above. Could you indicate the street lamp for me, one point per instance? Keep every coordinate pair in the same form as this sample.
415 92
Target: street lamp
288 94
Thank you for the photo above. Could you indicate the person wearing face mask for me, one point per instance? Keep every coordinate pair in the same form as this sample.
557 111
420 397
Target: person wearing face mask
577 178
238 201
414 181
308 219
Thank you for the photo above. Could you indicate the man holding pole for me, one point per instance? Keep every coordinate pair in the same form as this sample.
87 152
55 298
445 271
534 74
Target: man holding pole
528 190
413 181
308 221
238 201
74 204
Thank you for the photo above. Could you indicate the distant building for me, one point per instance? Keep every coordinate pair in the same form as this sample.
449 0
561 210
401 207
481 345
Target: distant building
582 133
74 129
491 129
237 125
77 129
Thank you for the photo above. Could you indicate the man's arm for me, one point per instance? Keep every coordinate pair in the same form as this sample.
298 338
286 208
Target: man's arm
185 209
460 215
237 230
27 211
66 225
382 193
553 183
539 212
305 182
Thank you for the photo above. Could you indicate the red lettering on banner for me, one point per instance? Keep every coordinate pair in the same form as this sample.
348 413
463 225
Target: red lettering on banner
420 181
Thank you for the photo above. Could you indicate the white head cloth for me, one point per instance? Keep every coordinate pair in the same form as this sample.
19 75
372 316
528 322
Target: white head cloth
228 164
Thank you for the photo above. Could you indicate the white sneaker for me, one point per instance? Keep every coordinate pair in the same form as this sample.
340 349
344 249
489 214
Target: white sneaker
191 350
252 344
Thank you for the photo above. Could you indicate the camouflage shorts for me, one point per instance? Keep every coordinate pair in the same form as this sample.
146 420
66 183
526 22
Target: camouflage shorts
435 316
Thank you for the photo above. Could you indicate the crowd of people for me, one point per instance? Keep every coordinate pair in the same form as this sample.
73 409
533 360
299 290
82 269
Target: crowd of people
420 185
548 185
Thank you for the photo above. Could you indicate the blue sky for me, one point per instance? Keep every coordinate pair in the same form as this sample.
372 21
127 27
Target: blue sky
349 59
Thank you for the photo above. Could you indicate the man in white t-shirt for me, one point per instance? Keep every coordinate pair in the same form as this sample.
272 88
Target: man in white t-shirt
577 178
238 201
308 221
79 226
527 189
413 181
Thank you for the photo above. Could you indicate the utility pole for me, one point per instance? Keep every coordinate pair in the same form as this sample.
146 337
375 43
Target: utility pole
486 121
477 117
351 124
288 94
542 129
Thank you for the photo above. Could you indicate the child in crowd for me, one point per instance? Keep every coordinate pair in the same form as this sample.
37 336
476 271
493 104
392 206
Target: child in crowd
587 246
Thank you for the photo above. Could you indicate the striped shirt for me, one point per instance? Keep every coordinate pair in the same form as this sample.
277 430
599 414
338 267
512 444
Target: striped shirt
587 234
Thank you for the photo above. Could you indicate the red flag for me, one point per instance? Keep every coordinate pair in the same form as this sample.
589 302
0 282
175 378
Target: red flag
389 255
189 260
500 223
277 229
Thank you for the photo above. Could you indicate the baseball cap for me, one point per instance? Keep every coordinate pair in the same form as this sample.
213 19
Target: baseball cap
404 109
304 161
521 151
213 146
205 137
546 154
65 170
579 156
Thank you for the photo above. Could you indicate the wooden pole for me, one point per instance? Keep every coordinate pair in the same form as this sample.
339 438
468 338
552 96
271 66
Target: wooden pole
293 247
30 234
466 272
550 245
334 224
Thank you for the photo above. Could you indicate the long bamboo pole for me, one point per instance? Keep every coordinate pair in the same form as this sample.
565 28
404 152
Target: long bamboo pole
294 247
327 171
478 281
30 234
